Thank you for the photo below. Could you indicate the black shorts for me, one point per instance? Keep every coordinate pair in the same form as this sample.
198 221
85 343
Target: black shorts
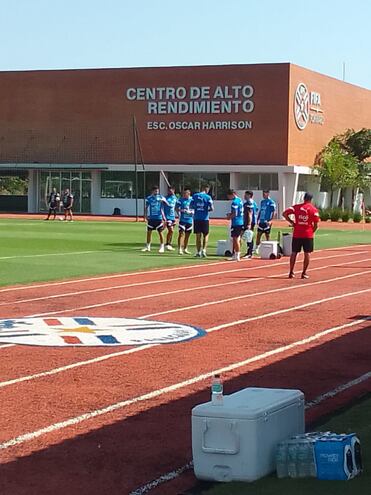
299 243
53 207
201 227
170 223
237 231
185 227
264 227
155 225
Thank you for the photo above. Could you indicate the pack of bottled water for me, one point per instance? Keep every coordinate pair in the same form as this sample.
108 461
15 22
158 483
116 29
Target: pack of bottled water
322 455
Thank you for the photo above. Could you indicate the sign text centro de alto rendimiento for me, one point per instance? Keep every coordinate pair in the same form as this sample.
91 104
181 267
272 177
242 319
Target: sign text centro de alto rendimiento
196 100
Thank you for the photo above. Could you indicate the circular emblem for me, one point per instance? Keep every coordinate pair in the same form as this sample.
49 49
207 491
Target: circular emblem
93 332
301 106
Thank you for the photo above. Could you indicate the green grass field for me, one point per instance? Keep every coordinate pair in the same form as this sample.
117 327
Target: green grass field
345 422
34 250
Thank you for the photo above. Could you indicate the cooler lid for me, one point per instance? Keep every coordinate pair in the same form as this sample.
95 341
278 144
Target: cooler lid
250 403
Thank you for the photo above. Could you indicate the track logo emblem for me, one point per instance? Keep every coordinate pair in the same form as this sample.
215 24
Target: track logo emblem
93 332
301 106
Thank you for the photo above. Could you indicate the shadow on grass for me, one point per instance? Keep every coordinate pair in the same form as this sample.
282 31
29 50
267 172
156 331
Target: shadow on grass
119 457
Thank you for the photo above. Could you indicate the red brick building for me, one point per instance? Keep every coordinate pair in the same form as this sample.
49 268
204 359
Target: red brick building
245 126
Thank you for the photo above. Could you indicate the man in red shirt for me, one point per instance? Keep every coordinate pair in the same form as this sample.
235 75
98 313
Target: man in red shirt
305 224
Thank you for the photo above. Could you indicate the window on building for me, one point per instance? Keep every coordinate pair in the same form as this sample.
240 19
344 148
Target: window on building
122 184
258 182
219 183
303 182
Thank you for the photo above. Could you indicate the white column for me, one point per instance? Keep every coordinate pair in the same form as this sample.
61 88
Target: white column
32 191
163 184
95 192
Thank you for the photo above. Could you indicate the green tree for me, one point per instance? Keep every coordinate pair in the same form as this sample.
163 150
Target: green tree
351 149
336 168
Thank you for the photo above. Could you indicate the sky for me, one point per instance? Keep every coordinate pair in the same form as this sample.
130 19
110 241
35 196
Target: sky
60 34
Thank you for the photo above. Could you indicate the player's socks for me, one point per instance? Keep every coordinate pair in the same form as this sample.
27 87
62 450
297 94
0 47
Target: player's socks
180 251
147 248
203 253
162 248
238 257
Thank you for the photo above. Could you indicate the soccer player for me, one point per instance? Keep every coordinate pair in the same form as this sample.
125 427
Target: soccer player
265 216
305 223
53 202
250 209
202 204
236 218
155 217
67 202
185 213
169 210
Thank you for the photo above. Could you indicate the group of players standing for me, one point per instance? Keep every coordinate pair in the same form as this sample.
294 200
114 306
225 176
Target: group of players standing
193 213
55 202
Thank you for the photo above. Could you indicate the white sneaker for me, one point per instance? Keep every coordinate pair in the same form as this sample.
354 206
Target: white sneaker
187 252
162 249
169 247
203 254
180 251
146 249
198 255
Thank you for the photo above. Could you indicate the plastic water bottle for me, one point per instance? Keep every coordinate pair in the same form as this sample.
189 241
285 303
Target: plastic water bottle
292 459
281 460
217 391
305 464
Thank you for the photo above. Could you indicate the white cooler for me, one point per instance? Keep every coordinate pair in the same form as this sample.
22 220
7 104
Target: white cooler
286 244
267 248
223 246
237 441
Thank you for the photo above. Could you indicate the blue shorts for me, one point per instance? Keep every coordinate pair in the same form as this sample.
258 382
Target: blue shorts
185 227
155 225
236 230
170 223
264 227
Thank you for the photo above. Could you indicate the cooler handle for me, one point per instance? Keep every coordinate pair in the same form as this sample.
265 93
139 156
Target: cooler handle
215 450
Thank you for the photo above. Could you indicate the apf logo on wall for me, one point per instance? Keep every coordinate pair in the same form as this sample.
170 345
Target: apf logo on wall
83 331
307 107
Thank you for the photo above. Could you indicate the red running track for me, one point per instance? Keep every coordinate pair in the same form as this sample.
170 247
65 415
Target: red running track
110 426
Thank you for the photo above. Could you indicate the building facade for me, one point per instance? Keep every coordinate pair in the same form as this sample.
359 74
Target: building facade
110 134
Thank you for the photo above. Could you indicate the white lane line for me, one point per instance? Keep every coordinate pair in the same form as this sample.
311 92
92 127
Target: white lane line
142 348
74 365
50 254
287 310
253 294
120 301
338 390
171 475
156 282
26 437
2 346
154 271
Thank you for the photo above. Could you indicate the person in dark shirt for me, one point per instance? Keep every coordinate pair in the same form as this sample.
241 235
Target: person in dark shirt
67 201
53 202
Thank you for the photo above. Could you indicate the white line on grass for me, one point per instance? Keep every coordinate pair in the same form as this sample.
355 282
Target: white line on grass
171 475
120 301
154 271
50 254
26 437
156 294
